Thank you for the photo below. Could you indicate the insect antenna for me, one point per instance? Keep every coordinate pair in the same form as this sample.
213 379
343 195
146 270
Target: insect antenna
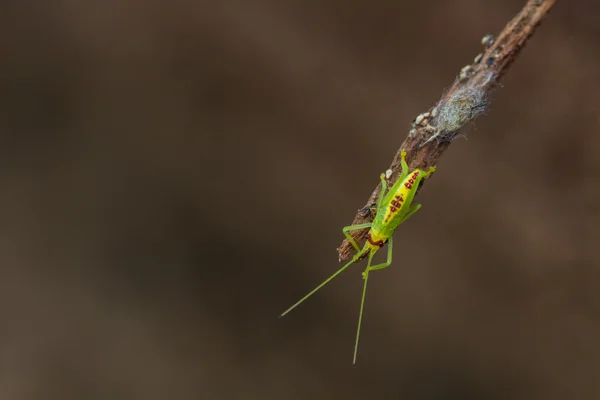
362 306
356 258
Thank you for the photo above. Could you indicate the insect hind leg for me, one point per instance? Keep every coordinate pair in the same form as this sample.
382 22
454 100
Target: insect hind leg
382 265
349 228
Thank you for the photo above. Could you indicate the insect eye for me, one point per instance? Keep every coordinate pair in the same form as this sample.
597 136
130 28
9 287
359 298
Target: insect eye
368 236
380 243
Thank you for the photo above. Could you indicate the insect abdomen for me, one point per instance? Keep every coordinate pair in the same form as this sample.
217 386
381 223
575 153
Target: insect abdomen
397 202
395 205
391 212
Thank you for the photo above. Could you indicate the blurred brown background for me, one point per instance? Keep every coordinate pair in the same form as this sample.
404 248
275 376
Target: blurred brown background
176 174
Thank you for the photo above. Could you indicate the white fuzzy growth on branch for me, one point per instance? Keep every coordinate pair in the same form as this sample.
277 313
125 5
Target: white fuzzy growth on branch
462 107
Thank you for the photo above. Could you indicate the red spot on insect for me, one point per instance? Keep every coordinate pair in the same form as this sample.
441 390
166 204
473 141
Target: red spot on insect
407 185
377 243
393 209
411 181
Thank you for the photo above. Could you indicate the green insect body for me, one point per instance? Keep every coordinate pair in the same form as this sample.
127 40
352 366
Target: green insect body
393 208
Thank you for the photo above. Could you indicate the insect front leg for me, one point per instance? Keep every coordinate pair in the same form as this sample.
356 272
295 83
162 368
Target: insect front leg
403 175
430 171
383 187
349 228
404 165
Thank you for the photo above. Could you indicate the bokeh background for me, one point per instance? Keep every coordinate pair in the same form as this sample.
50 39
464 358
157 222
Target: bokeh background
175 174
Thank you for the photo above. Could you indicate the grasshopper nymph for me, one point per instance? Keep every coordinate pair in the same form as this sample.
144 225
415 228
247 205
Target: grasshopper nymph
393 208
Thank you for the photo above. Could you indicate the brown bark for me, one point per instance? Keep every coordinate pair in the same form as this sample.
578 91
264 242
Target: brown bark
480 76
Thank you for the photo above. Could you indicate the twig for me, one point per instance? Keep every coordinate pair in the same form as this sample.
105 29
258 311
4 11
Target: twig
467 97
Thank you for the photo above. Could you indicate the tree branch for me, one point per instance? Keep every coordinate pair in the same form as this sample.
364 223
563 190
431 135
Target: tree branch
433 131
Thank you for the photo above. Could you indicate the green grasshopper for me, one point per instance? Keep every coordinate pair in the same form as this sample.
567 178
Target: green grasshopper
393 208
